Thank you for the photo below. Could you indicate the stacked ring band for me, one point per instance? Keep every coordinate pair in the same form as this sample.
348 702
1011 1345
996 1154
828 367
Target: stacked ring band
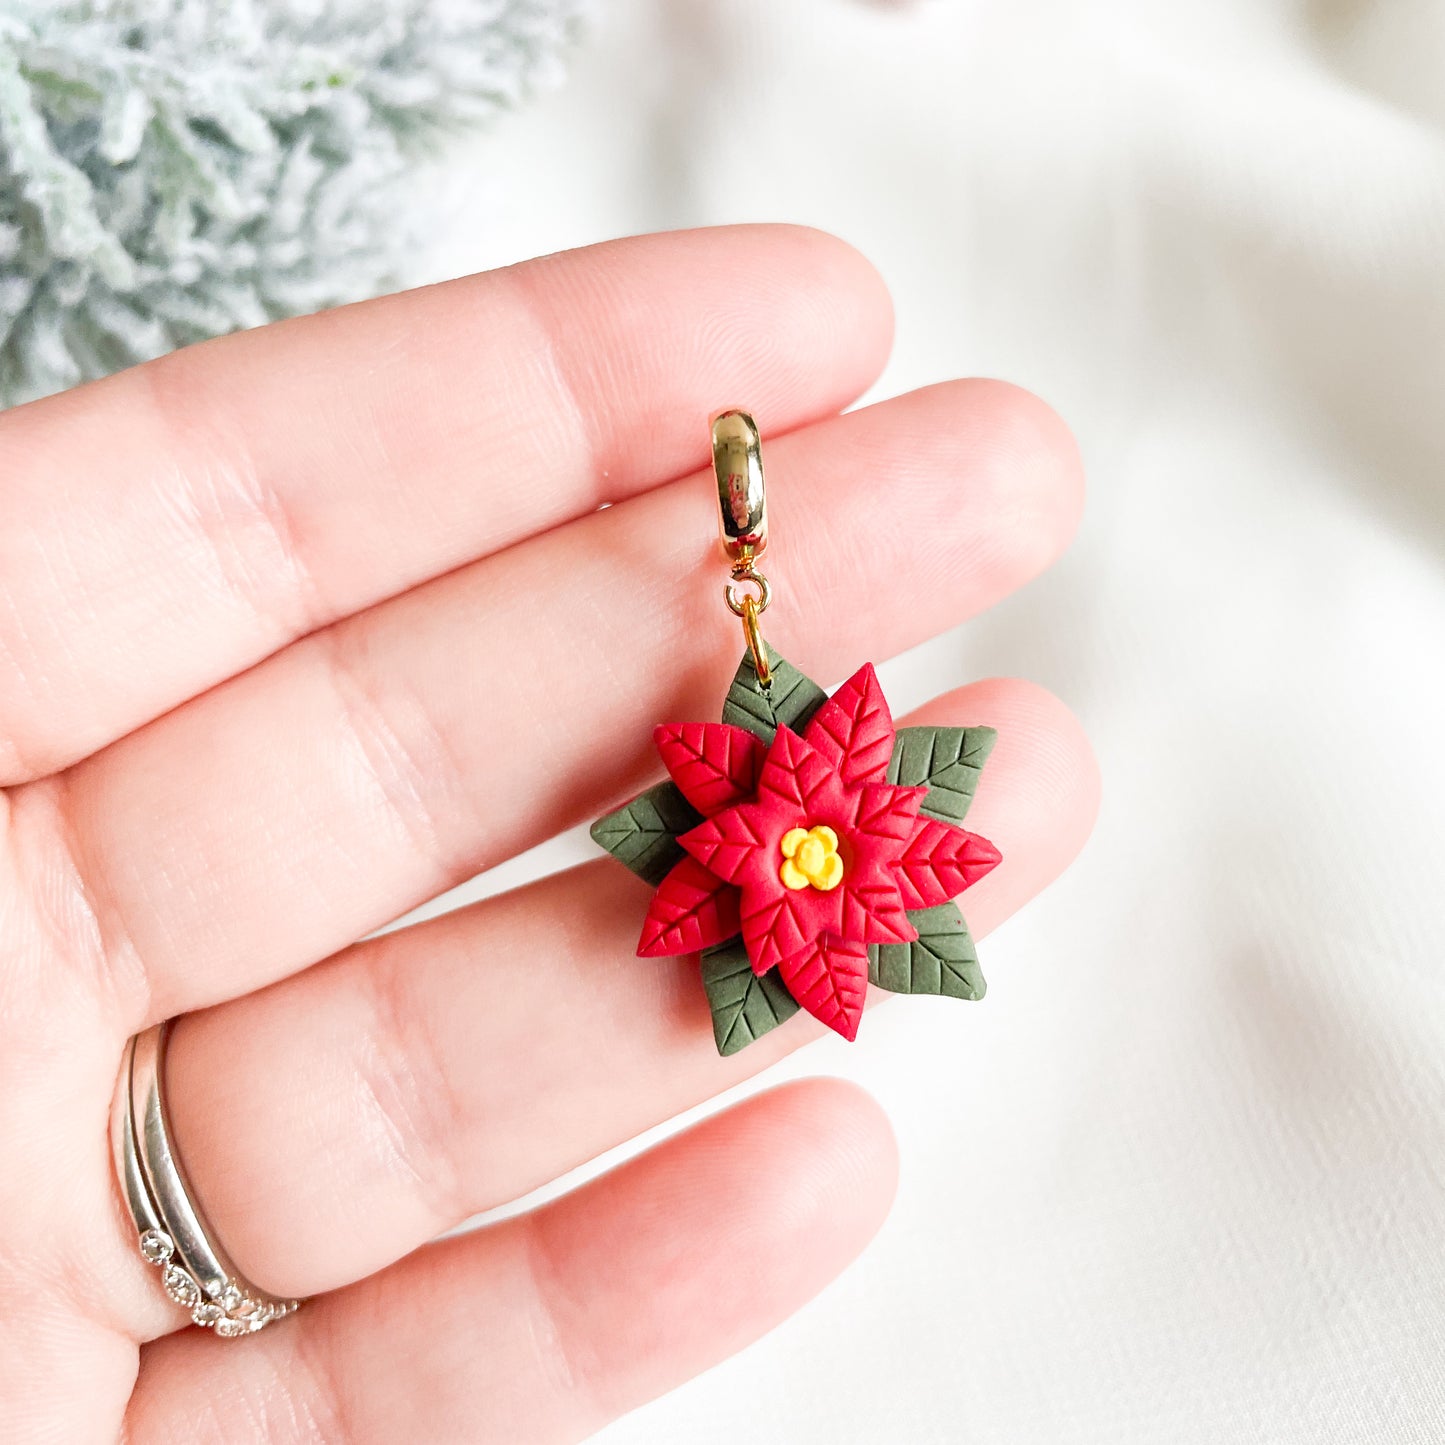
195 1271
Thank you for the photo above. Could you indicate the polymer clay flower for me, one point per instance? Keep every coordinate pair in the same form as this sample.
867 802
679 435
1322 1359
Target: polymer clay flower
812 853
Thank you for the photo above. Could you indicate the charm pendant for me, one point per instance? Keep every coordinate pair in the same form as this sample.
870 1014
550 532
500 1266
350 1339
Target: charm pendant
802 845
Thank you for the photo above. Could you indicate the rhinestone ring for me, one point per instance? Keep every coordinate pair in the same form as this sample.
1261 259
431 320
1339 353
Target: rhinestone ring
195 1271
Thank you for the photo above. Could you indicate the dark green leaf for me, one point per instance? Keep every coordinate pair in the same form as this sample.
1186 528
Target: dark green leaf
789 698
643 833
942 960
947 761
744 1006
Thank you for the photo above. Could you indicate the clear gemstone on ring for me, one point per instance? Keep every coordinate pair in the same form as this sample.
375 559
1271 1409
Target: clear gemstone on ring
207 1313
230 1299
229 1329
156 1246
181 1287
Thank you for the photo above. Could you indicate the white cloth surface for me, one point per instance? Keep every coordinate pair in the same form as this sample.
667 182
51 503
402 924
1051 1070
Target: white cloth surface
1181 1178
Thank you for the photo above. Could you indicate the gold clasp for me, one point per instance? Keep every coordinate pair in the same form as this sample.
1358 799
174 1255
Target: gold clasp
737 460
737 463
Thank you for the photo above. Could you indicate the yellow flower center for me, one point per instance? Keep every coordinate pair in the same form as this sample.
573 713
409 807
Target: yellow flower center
810 859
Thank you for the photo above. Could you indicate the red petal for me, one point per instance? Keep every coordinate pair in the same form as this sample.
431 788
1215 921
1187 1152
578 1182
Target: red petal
830 980
793 777
691 910
886 814
853 730
778 923
873 911
728 843
715 764
940 861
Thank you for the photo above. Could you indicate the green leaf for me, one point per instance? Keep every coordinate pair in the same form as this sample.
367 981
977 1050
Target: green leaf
744 1006
643 834
942 960
947 761
789 698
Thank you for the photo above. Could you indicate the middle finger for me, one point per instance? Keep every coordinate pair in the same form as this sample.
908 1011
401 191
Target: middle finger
367 768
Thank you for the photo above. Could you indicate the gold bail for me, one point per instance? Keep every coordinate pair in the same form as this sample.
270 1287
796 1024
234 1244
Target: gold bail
737 463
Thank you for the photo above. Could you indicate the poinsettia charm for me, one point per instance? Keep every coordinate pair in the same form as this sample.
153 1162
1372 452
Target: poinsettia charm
803 845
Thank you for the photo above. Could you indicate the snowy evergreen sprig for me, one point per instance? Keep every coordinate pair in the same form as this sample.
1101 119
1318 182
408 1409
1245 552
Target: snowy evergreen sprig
174 169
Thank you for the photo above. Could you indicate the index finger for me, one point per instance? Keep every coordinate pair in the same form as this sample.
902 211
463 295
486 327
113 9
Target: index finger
170 526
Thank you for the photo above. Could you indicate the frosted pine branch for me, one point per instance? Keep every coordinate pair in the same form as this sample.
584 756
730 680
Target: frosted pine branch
173 169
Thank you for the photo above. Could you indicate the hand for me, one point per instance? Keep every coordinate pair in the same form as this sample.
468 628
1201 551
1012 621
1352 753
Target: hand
301 627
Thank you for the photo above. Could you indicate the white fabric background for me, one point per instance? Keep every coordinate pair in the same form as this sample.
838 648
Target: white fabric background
1182 1177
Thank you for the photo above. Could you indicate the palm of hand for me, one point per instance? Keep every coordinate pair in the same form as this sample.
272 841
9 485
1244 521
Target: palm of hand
300 628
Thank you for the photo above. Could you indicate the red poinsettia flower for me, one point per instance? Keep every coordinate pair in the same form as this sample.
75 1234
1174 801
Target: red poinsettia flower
806 849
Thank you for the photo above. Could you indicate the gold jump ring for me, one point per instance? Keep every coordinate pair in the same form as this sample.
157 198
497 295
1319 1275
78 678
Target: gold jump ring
756 646
742 574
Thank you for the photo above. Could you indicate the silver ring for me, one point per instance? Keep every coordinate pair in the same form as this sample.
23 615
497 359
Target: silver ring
172 1234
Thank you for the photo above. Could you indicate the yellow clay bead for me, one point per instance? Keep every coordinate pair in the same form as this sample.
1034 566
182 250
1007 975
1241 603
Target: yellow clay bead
810 858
